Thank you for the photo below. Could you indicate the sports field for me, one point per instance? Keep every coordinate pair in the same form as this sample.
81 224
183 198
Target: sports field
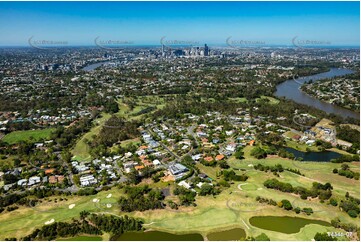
27 135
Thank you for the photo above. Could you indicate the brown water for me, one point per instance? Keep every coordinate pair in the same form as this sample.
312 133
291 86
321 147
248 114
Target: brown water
231 234
287 225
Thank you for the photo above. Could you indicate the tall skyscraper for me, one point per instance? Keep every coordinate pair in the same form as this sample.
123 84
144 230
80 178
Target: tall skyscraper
163 54
206 50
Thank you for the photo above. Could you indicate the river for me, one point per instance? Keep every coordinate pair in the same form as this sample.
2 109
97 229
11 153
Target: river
93 66
291 90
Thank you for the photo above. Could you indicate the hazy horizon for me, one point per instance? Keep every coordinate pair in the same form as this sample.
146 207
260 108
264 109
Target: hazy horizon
146 23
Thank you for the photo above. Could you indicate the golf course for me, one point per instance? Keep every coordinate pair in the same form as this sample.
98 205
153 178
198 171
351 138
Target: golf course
234 208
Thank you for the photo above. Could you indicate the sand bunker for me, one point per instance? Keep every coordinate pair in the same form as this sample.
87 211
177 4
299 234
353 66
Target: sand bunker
49 222
240 186
109 205
71 206
95 200
250 165
109 195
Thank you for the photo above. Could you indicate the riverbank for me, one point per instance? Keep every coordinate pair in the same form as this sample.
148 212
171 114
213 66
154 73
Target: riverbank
93 66
290 89
308 94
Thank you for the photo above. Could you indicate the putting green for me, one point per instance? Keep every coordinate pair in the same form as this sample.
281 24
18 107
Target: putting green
249 187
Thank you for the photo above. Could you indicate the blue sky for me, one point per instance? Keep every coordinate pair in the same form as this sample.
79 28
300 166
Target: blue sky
79 23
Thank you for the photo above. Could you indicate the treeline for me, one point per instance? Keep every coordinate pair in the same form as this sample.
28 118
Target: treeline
322 191
208 189
87 224
345 226
110 106
346 158
141 198
116 225
22 198
276 168
230 175
66 137
350 205
182 104
114 130
261 153
351 135
145 110
62 229
324 237
187 197
285 108
87 191
345 171
285 204
194 104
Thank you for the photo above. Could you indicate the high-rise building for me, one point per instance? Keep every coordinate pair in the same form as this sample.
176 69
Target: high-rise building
206 50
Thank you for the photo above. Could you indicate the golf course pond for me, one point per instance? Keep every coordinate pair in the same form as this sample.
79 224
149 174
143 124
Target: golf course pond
287 225
231 234
323 156
157 235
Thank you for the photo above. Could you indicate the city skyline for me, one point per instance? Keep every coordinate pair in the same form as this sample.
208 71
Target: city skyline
180 121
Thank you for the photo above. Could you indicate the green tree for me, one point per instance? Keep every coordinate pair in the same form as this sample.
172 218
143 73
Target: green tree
324 237
262 237
258 153
286 204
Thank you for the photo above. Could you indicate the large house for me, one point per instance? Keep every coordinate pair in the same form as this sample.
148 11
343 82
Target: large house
177 170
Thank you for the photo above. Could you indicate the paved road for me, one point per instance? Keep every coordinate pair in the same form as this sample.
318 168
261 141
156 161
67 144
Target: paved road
190 131
165 147
292 130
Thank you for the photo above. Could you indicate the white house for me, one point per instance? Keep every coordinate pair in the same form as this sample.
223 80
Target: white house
87 180
310 142
34 180
184 184
156 162
22 182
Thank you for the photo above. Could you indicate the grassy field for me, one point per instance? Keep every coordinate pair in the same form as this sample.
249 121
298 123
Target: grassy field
142 102
23 220
82 238
210 171
125 143
239 99
301 147
27 135
271 100
8 160
81 149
